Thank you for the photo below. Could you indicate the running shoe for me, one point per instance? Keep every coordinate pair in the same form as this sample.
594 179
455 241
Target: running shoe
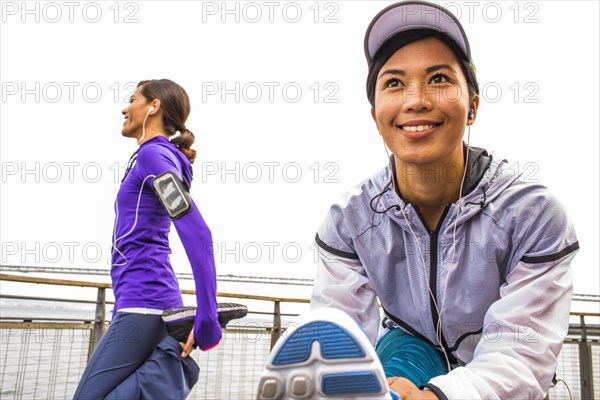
180 320
325 355
229 311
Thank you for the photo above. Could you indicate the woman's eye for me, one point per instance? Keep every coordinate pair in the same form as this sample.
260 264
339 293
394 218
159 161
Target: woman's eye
439 78
392 83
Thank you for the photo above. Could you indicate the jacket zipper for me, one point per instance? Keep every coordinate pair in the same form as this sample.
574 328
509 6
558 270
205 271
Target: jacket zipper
433 268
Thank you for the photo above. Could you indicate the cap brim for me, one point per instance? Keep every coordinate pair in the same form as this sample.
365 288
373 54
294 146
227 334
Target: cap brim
409 15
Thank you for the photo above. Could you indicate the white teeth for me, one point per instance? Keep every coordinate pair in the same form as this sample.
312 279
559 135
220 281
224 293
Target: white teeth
417 128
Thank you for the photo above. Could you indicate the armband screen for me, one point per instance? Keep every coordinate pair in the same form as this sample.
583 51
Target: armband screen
173 194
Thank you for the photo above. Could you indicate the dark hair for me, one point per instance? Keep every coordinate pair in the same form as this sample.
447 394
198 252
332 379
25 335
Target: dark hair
402 39
175 104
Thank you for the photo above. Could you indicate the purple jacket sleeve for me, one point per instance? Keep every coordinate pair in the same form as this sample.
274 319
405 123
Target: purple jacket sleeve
197 241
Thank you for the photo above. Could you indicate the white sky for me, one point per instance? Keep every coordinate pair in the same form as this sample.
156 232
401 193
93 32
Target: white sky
280 113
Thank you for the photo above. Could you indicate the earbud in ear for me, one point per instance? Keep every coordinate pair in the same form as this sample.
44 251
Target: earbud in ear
471 113
150 110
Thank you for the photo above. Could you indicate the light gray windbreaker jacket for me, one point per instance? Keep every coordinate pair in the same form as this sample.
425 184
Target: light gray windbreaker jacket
504 298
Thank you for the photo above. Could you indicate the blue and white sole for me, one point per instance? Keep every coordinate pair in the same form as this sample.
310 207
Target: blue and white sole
326 355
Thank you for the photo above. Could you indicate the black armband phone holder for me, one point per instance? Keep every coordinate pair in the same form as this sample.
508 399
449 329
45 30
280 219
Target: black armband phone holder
173 194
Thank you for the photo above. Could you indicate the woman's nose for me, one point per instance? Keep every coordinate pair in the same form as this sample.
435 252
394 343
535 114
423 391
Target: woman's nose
416 98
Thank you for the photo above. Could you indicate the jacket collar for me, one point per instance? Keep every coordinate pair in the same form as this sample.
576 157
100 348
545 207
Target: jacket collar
478 163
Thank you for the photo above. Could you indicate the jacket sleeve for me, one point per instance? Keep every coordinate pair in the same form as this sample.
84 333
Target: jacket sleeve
524 330
342 283
197 241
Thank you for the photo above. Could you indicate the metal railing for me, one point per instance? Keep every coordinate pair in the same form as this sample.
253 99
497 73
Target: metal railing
43 357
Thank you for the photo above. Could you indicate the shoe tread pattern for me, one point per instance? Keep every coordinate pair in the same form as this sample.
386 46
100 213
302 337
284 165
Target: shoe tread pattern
334 341
356 382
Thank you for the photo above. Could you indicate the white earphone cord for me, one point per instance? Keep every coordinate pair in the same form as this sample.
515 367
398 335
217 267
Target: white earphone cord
137 208
456 222
144 124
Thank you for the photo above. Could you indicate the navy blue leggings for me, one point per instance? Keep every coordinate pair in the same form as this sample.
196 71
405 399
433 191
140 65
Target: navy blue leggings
136 359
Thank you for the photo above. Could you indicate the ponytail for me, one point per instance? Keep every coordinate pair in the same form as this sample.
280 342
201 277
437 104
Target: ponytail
184 142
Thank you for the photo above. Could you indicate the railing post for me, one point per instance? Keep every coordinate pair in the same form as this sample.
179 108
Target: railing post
96 333
585 364
276 324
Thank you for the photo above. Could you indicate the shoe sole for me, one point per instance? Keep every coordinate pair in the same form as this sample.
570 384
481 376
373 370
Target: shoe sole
178 314
327 355
225 311
230 311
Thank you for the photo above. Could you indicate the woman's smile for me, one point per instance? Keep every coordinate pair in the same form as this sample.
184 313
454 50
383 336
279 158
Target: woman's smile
418 129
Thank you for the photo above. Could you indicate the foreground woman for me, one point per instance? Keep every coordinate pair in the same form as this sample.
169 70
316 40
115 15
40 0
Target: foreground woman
470 264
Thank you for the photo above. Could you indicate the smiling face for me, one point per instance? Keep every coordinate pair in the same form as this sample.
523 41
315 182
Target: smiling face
422 103
134 115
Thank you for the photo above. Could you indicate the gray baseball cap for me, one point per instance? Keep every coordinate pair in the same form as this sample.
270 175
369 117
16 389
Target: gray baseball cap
408 15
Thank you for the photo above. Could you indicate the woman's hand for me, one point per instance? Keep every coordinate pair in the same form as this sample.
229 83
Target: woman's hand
189 345
408 391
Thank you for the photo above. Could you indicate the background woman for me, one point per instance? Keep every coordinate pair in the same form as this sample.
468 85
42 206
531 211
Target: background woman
140 356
